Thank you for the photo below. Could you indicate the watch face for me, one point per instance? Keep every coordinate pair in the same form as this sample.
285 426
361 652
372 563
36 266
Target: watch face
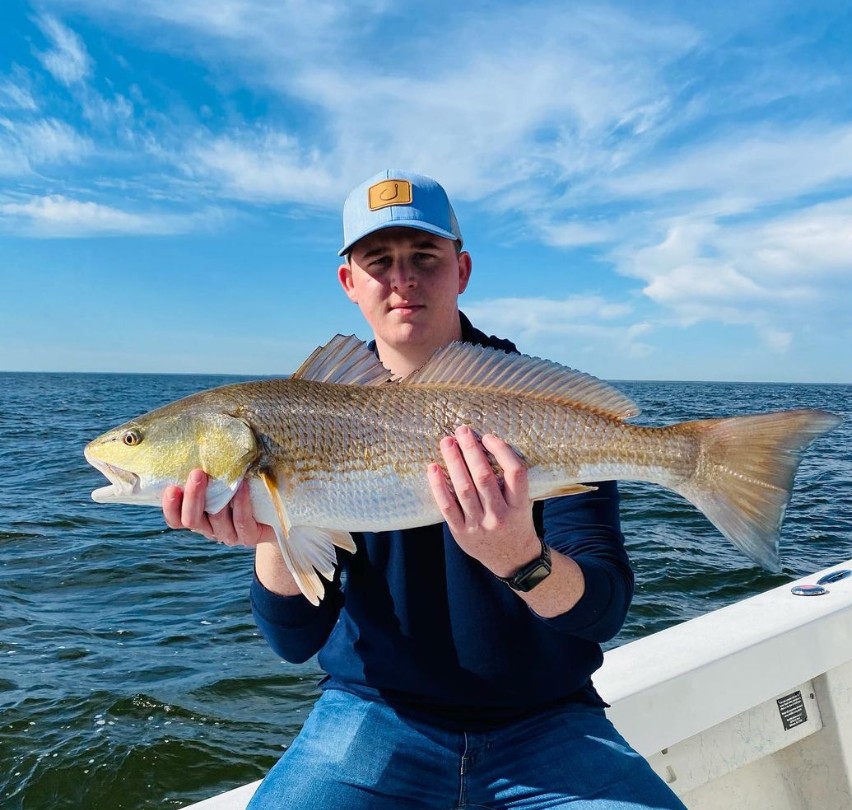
531 578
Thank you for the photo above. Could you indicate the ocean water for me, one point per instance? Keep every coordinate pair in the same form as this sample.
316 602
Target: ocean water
131 673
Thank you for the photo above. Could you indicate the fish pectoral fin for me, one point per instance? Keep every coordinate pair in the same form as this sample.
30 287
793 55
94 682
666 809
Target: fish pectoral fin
307 551
219 494
568 489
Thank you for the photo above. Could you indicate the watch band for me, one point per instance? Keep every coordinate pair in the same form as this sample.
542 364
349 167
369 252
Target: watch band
533 573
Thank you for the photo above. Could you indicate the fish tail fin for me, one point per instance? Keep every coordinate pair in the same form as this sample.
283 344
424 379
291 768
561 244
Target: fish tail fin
744 475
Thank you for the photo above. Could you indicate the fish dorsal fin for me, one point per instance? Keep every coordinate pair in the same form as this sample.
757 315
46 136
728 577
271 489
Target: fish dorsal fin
464 365
345 360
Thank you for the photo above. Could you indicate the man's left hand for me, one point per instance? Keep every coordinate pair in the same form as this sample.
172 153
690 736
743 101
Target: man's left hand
491 522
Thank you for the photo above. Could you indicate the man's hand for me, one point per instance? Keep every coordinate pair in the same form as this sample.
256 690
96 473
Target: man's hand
234 525
494 523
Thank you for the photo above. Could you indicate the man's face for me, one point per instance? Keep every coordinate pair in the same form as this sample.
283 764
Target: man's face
406 283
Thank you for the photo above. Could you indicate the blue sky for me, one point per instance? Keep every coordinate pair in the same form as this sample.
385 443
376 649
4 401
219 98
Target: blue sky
652 190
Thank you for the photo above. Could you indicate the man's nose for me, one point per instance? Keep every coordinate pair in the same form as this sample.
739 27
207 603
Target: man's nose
403 275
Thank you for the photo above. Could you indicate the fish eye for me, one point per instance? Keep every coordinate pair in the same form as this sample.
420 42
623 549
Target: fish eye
131 438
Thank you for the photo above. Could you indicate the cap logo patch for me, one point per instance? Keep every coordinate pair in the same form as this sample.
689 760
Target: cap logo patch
389 192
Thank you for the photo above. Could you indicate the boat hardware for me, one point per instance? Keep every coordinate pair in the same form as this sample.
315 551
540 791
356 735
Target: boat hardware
808 590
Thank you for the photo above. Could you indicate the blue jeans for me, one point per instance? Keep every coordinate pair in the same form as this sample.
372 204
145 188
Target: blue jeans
354 754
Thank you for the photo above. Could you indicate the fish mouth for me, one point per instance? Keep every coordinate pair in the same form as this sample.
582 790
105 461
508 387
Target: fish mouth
123 483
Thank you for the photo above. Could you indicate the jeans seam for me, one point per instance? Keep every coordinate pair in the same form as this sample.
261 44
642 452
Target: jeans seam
463 773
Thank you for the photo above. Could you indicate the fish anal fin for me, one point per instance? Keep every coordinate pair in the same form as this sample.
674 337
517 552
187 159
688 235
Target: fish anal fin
468 366
345 360
567 489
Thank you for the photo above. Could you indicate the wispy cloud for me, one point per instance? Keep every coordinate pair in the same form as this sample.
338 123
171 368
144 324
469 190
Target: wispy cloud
755 165
263 166
538 108
67 60
15 92
561 327
57 216
771 273
27 146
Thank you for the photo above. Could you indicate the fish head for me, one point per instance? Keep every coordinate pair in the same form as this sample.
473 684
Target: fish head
144 456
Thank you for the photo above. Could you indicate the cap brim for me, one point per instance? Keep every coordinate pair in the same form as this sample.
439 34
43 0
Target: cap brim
401 223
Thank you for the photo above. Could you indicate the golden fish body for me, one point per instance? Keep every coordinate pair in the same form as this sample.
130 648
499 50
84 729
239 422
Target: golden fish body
340 447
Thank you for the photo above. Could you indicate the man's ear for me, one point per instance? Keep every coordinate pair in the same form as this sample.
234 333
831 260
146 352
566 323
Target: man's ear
465 268
344 276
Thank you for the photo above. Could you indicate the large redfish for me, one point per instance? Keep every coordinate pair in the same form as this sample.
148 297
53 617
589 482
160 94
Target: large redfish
341 447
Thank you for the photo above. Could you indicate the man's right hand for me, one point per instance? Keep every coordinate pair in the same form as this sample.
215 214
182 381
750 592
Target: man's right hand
234 525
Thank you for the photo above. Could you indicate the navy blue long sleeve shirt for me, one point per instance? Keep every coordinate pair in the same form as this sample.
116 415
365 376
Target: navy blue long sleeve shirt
414 621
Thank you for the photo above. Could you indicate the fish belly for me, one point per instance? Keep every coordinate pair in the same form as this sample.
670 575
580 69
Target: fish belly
361 501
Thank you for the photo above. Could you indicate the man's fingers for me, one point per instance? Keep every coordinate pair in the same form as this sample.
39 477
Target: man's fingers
194 497
463 485
516 483
222 526
233 525
241 528
488 490
242 514
172 503
444 496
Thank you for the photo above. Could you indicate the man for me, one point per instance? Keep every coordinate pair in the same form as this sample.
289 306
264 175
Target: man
458 656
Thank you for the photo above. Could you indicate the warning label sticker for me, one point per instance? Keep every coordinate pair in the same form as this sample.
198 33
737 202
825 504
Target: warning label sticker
792 709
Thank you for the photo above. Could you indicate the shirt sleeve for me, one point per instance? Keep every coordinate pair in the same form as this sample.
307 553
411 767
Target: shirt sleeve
293 627
587 528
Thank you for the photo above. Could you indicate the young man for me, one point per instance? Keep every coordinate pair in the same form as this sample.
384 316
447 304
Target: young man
458 656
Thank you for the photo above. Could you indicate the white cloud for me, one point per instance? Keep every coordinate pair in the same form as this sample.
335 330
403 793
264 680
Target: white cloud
108 113
560 328
52 141
502 123
544 315
773 274
809 246
60 216
574 234
490 120
754 165
68 61
15 93
264 166
25 146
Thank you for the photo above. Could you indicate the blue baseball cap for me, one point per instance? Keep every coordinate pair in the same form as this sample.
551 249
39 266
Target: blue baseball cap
396 199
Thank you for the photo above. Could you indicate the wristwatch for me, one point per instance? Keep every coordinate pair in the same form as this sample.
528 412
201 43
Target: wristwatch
533 573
